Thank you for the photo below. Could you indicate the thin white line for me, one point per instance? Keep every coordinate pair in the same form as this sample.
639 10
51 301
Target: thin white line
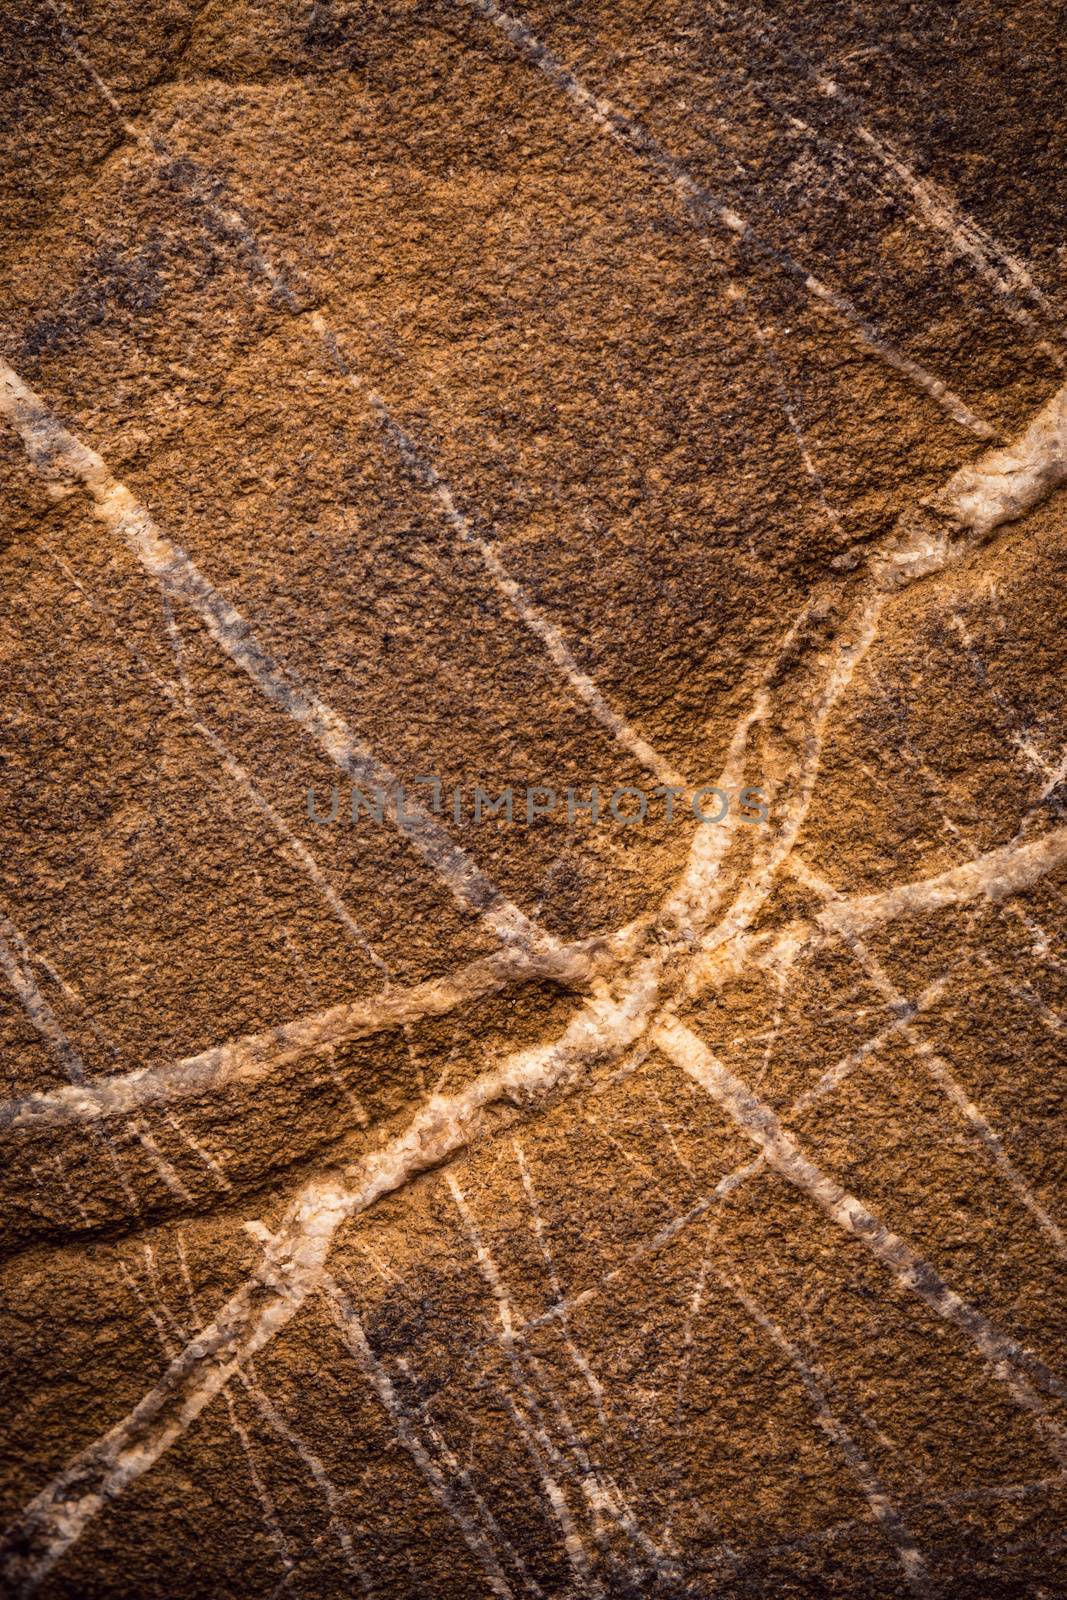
252 1057
996 874
536 1439
1008 1361
63 461
940 210
702 204
815 1385
549 634
296 1255
351 1329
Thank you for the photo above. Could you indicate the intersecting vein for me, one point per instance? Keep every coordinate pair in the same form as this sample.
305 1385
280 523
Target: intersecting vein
252 1057
1008 1361
471 1350
952 1089
179 1333
997 874
610 1023
578 1357
827 1083
263 1494
292 1266
528 1419
481 1532
15 960
936 1065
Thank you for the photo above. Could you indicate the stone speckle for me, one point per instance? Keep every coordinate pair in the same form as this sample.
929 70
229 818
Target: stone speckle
555 396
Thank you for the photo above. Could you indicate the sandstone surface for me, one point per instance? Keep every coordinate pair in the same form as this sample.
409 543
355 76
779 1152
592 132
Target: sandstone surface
661 398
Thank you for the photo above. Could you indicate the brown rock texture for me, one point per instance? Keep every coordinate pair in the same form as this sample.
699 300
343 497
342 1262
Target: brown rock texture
661 398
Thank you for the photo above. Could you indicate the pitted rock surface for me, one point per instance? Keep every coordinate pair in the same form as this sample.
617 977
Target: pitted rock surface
429 1204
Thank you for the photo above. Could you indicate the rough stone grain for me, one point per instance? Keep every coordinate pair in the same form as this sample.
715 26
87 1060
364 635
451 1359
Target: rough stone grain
582 394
